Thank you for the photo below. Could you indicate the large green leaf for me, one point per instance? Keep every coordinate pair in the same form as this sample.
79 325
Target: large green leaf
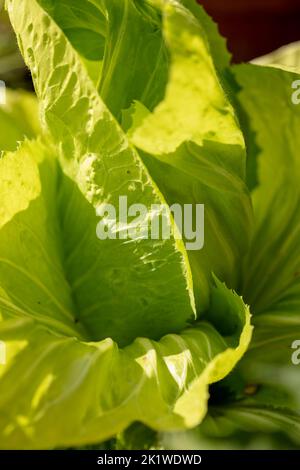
194 150
271 270
261 398
99 389
142 295
271 274
53 368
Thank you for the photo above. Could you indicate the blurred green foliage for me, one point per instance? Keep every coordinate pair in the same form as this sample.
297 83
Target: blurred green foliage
12 68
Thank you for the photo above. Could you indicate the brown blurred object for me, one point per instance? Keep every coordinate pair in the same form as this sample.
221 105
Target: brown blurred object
255 27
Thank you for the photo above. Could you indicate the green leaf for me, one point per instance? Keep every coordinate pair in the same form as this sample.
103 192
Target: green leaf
271 277
261 397
195 152
151 297
271 271
99 389
53 367
265 385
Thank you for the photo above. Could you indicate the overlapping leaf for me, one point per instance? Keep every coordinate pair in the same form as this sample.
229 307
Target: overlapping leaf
195 150
271 269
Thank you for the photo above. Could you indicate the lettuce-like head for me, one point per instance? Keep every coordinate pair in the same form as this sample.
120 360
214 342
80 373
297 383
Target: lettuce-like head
100 333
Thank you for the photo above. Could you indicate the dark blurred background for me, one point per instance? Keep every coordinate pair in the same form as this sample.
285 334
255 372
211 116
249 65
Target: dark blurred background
252 27
255 27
